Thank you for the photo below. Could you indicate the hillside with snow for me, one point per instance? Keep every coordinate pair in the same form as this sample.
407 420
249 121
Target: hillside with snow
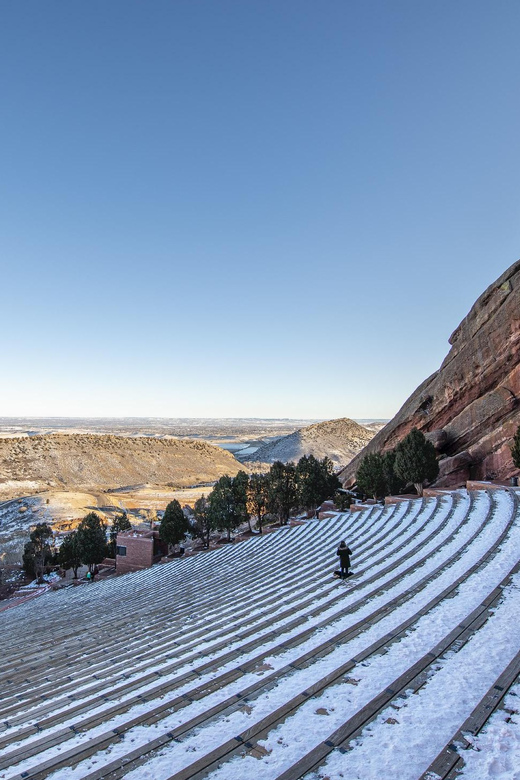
340 440
253 661
16 519
103 462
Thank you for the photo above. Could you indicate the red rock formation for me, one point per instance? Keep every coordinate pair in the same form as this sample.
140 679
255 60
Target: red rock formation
471 406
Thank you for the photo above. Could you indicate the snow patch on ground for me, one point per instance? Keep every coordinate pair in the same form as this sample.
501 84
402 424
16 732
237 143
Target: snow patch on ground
495 752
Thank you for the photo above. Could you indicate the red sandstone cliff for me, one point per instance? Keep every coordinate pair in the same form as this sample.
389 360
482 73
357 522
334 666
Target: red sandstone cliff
471 406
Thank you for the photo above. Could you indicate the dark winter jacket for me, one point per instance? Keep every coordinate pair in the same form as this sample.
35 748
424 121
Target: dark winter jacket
344 556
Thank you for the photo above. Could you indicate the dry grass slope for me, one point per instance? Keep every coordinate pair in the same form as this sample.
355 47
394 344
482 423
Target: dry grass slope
103 462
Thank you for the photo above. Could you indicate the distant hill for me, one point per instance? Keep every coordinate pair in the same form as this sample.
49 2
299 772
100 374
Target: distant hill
86 461
340 440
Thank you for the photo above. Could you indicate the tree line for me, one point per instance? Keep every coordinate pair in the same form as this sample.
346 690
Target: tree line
86 546
412 462
285 489
288 488
233 501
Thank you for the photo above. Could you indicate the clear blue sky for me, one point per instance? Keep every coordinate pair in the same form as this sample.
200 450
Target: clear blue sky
248 208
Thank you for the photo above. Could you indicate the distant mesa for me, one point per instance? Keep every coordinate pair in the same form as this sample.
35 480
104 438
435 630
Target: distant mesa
340 440
470 408
85 461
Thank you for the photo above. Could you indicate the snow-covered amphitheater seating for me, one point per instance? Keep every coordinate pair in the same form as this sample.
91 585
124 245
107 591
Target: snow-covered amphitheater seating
254 662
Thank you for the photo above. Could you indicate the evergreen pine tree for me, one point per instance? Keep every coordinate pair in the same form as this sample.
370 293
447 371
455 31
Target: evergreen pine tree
315 481
91 539
174 525
333 482
28 559
69 555
415 460
225 515
258 497
240 487
203 523
393 483
282 490
38 552
370 475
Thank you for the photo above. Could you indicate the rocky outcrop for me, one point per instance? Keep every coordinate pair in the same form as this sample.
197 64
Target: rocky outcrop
339 440
470 408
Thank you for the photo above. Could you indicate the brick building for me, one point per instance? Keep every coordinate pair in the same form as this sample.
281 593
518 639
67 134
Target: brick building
136 550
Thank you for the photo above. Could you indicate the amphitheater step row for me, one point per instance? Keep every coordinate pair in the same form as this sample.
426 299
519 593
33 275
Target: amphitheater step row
138 703
258 641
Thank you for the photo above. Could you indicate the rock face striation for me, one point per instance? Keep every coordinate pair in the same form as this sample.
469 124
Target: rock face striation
470 408
338 439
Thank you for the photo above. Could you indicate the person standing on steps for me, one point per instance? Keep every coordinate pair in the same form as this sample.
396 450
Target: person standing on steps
344 553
